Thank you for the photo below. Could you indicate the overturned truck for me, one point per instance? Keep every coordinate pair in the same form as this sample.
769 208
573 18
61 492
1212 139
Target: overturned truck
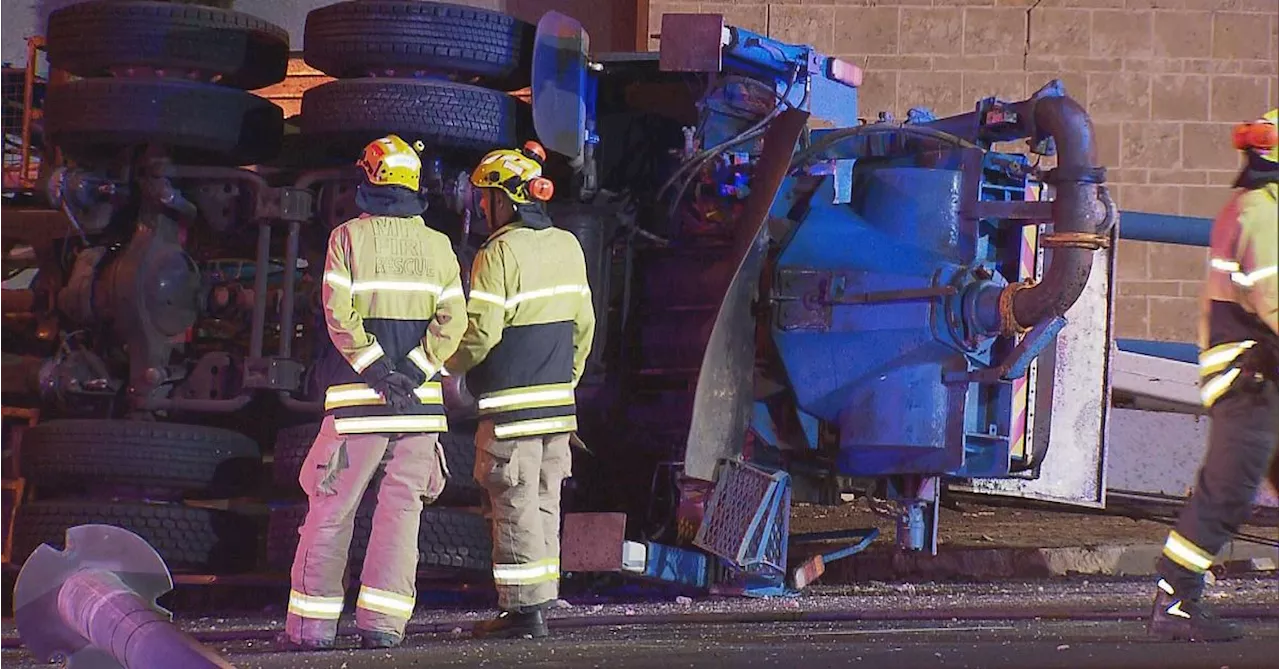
793 301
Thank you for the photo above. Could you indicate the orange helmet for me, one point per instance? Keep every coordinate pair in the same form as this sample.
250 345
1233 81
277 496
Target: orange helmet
1258 136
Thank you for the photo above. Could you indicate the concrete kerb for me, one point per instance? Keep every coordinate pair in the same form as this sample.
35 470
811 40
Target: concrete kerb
1238 557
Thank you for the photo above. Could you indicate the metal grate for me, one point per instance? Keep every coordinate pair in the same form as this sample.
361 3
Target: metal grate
20 174
747 519
11 97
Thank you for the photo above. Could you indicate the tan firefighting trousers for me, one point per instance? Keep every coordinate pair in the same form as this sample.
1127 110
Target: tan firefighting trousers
335 476
522 478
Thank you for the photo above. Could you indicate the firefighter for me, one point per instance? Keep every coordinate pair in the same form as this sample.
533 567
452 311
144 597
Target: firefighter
1238 386
393 304
529 331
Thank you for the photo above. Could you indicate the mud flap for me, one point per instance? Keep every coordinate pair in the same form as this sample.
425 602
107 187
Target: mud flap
560 85
723 399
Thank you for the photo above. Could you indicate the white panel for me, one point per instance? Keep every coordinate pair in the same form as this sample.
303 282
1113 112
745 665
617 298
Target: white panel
1073 471
1146 376
1159 453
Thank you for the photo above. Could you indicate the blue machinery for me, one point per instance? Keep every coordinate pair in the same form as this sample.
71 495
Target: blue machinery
906 277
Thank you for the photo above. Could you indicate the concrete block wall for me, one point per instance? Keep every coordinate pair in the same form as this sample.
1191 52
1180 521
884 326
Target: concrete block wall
1164 80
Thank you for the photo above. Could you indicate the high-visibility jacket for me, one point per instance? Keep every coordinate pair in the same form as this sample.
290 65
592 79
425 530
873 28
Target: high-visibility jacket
392 298
529 329
1238 316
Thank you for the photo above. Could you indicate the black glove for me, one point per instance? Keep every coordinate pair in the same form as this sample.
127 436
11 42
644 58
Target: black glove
395 388
415 373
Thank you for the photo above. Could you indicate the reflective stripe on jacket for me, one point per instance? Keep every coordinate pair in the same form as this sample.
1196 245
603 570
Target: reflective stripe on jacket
392 297
529 329
1239 313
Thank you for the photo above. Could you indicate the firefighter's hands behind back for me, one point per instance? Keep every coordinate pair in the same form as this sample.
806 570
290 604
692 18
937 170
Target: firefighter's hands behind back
397 390
394 387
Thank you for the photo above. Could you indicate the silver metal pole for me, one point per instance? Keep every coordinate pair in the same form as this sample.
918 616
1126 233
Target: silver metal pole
94 604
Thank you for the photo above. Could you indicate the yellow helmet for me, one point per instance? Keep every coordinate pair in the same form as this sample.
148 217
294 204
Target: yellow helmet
1258 136
391 161
518 173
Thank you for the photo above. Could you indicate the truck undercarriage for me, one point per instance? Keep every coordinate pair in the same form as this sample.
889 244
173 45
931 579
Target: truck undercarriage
793 300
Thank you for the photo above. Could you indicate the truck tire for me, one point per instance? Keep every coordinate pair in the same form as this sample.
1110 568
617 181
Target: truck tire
92 119
292 446
351 113
447 538
355 39
70 453
461 489
460 453
188 538
91 38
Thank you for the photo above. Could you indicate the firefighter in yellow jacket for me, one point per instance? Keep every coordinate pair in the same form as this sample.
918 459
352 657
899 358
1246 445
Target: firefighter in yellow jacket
529 331
1238 385
393 304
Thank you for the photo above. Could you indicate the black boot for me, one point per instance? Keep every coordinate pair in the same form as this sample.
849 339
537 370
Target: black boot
1178 617
379 639
522 624
284 642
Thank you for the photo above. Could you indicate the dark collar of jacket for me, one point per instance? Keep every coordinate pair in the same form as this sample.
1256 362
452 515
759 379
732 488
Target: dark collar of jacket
532 216
1257 172
389 200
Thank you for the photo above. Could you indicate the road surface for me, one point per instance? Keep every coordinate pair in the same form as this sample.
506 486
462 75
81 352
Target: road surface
986 645
1068 623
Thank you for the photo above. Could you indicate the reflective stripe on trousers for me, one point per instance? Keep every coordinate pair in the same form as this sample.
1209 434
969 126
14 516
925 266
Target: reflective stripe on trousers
1242 443
335 475
1218 369
386 602
529 573
522 478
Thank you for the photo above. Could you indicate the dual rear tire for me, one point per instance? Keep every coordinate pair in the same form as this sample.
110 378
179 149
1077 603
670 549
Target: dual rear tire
179 76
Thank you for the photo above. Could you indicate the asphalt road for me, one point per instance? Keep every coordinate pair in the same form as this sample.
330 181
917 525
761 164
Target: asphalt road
1069 623
984 645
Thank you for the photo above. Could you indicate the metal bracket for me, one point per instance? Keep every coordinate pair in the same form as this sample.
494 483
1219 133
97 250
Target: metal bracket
285 203
221 187
1016 363
273 373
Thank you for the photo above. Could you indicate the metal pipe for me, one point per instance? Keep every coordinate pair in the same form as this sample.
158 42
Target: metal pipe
1074 207
313 177
1164 228
200 405
1048 113
290 279
259 322
1171 350
301 406
101 608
